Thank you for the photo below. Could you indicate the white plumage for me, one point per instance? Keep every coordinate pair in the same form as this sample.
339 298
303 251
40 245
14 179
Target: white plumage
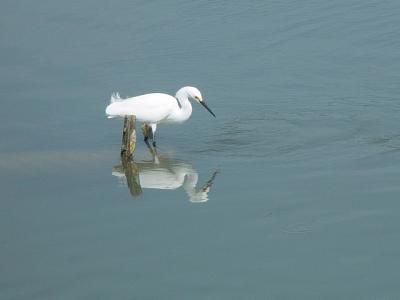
156 108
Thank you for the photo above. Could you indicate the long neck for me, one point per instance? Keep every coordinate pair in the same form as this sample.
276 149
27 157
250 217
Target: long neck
185 106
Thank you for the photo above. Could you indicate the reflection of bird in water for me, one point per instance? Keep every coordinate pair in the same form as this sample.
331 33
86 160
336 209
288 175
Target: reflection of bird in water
165 174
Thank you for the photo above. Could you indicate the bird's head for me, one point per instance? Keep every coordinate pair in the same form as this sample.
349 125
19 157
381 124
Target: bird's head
194 94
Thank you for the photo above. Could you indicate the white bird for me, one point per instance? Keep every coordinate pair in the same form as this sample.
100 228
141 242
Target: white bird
153 109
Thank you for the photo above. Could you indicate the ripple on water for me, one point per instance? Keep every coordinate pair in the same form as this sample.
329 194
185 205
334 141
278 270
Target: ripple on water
285 134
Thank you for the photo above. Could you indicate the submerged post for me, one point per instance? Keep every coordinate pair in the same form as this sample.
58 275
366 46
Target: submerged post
128 137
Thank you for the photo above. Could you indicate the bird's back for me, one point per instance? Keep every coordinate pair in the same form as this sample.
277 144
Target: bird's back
148 108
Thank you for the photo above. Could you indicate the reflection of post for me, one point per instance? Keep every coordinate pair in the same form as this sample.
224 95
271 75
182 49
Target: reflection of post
128 137
131 171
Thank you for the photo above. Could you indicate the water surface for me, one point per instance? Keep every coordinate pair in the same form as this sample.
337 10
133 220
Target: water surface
291 193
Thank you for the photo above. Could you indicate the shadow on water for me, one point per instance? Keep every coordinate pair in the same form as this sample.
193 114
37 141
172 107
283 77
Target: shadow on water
163 173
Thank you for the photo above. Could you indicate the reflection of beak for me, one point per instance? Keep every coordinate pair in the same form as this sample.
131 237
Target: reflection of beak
206 107
207 186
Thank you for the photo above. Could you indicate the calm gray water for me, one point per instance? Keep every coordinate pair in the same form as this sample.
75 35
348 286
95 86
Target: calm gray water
304 156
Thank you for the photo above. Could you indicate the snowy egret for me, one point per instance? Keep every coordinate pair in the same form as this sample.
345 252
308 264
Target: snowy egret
153 109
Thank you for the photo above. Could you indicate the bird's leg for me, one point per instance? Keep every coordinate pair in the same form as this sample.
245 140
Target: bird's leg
153 129
146 130
152 150
148 134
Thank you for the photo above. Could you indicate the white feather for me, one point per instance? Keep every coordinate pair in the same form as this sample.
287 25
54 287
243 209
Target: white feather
115 97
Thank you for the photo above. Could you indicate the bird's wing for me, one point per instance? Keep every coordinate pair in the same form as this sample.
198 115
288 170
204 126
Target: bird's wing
149 108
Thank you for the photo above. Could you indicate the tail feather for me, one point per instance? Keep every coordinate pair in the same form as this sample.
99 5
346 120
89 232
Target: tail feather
114 109
115 97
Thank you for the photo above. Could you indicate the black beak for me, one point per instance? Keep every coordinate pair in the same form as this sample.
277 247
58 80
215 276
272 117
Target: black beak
206 107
